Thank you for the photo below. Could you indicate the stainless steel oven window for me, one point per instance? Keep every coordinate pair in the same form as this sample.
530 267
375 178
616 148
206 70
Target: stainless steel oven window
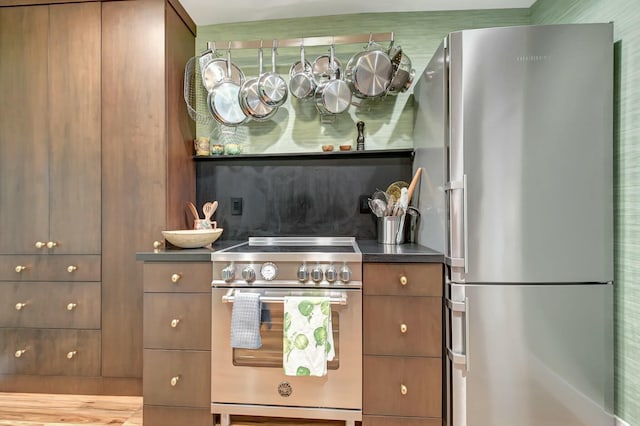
271 332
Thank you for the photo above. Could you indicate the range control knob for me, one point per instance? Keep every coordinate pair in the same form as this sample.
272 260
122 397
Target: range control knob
303 273
229 273
345 273
248 274
316 274
331 274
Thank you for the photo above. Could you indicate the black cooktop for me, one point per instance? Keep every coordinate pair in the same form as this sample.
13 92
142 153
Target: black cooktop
246 248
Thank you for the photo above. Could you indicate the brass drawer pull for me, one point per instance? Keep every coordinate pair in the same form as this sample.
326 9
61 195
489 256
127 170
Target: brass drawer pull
174 380
403 280
71 354
19 353
175 278
71 306
72 268
403 390
20 268
174 323
20 305
52 244
403 328
40 244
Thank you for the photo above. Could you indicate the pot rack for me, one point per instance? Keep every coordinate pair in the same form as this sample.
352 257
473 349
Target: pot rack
303 41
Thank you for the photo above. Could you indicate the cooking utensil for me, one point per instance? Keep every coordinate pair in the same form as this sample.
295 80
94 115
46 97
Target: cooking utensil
377 206
395 188
207 209
193 210
322 70
301 82
195 94
332 96
250 101
271 86
403 74
224 102
214 71
412 185
369 72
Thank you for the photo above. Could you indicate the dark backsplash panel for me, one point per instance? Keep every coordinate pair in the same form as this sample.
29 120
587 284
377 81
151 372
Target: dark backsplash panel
297 196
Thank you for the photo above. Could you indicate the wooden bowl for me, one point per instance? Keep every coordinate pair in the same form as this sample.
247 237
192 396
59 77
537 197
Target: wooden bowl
192 238
327 148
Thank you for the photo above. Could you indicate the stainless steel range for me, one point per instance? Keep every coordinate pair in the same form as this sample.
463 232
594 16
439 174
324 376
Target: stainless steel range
252 381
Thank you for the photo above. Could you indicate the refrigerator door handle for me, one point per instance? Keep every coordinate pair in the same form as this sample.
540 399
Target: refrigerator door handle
456 357
460 262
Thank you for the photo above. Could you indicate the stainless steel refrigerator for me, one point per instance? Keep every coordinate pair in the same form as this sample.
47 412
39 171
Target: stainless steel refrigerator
514 131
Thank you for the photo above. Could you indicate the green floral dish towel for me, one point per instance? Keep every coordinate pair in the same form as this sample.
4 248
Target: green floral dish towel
308 337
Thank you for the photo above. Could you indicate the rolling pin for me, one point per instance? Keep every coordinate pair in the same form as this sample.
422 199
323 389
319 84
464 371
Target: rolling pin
412 185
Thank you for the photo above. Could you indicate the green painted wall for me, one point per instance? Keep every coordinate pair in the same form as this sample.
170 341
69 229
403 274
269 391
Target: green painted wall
388 122
626 17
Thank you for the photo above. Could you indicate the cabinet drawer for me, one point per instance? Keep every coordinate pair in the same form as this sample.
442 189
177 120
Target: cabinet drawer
402 325
177 321
172 416
191 371
402 279
50 267
399 421
50 352
177 277
384 378
50 304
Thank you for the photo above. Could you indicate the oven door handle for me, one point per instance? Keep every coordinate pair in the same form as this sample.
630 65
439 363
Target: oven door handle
339 298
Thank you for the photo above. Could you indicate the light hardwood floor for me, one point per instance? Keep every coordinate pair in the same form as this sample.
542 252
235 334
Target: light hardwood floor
33 409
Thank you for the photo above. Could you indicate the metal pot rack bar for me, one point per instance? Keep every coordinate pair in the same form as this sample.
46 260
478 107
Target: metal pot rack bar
303 41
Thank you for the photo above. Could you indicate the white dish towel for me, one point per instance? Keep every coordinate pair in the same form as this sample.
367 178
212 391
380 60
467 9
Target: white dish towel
308 336
245 321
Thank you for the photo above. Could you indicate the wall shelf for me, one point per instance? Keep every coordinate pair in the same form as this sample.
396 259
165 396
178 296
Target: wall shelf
332 155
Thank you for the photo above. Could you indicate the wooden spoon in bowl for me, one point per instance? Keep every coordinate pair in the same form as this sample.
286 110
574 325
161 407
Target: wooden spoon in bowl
193 210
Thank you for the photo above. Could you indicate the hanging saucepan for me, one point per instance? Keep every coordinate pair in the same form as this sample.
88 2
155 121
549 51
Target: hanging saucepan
271 86
322 71
223 100
402 72
369 72
301 82
250 101
332 96
215 70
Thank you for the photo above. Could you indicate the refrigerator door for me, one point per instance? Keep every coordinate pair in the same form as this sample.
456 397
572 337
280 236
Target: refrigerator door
530 355
530 170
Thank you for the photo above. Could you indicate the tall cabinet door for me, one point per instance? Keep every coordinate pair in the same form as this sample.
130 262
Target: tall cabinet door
74 127
24 151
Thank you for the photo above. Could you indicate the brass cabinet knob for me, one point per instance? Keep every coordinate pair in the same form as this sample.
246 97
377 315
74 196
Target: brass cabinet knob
71 306
19 353
174 380
174 323
404 280
71 354
403 328
175 278
72 268
20 268
52 244
157 244
403 390
40 244
20 305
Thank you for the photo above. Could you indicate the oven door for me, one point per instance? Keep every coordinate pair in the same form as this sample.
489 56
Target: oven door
256 377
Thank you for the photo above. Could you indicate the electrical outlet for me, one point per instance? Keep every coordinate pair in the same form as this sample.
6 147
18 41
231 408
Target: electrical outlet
363 204
236 206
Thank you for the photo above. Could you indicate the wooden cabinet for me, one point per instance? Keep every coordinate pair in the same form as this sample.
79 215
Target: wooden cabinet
402 344
177 343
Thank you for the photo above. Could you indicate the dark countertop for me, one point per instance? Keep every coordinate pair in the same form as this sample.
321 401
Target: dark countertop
372 252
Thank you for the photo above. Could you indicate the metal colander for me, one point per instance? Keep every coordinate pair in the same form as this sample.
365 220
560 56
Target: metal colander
195 94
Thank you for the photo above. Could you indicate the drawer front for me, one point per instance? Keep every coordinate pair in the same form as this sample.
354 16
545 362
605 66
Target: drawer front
402 325
172 416
177 321
177 378
50 352
177 277
50 304
385 379
50 268
399 421
402 279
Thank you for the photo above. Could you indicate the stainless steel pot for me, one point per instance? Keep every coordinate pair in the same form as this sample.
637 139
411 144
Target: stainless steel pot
402 72
323 71
301 82
369 72
332 96
271 86
214 70
223 100
249 96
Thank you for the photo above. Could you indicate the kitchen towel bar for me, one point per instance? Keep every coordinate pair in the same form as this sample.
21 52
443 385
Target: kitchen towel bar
337 299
